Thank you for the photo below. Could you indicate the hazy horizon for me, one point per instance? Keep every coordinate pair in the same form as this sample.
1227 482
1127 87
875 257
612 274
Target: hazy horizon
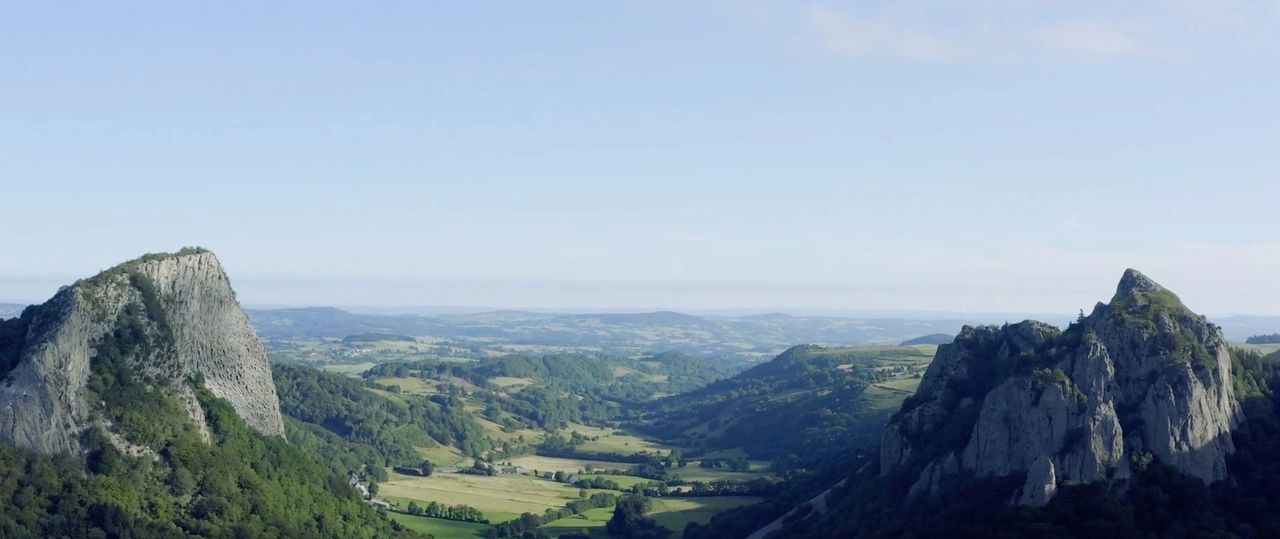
583 297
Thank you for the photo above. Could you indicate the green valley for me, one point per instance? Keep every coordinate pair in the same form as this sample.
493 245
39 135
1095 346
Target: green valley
523 434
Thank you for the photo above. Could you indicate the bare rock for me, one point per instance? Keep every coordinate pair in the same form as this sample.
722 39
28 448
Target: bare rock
42 400
1140 374
1041 484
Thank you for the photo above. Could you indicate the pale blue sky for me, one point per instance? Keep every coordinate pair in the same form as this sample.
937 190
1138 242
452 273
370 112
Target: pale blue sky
965 155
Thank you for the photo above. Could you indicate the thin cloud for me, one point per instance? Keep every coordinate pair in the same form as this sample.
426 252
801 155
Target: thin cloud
853 37
1095 41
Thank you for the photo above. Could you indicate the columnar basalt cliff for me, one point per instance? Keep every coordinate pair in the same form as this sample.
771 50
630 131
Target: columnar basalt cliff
1141 377
181 304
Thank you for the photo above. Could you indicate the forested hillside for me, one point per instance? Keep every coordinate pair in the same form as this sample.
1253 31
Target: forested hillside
817 401
241 484
138 403
554 390
340 419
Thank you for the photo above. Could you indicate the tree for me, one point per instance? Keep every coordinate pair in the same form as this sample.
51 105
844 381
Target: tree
629 521
427 468
375 472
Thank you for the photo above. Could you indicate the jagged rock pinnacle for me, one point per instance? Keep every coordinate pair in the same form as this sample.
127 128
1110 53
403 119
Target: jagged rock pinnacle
1143 375
1134 281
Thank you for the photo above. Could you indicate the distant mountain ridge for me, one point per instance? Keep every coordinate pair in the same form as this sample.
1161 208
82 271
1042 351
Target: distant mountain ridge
742 339
933 338
10 310
733 340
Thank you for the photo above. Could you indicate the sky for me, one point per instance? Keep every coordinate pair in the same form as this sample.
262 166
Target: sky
967 155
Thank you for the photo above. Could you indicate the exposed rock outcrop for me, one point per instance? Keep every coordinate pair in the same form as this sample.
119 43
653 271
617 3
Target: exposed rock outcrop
198 329
1041 484
1139 375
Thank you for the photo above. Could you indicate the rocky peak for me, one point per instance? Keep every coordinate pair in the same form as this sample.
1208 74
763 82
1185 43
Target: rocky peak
1140 376
1134 282
180 305
1138 294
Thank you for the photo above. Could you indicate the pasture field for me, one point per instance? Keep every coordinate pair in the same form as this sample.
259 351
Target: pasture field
612 441
349 369
693 473
593 518
903 383
881 398
440 528
675 513
672 513
1263 349
510 383
501 497
443 455
557 464
410 385
622 480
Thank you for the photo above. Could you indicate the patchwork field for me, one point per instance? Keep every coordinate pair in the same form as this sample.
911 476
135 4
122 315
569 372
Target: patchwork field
693 473
612 441
556 464
622 480
410 385
675 513
440 528
906 384
443 455
593 518
672 513
881 398
510 383
349 369
501 497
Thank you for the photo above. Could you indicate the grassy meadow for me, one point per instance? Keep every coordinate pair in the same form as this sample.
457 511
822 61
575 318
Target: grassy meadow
501 497
440 528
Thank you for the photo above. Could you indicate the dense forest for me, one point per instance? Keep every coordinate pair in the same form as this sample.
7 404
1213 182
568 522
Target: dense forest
1272 338
242 484
338 417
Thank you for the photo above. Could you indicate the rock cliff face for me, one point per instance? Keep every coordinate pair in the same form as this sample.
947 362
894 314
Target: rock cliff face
196 330
1140 377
